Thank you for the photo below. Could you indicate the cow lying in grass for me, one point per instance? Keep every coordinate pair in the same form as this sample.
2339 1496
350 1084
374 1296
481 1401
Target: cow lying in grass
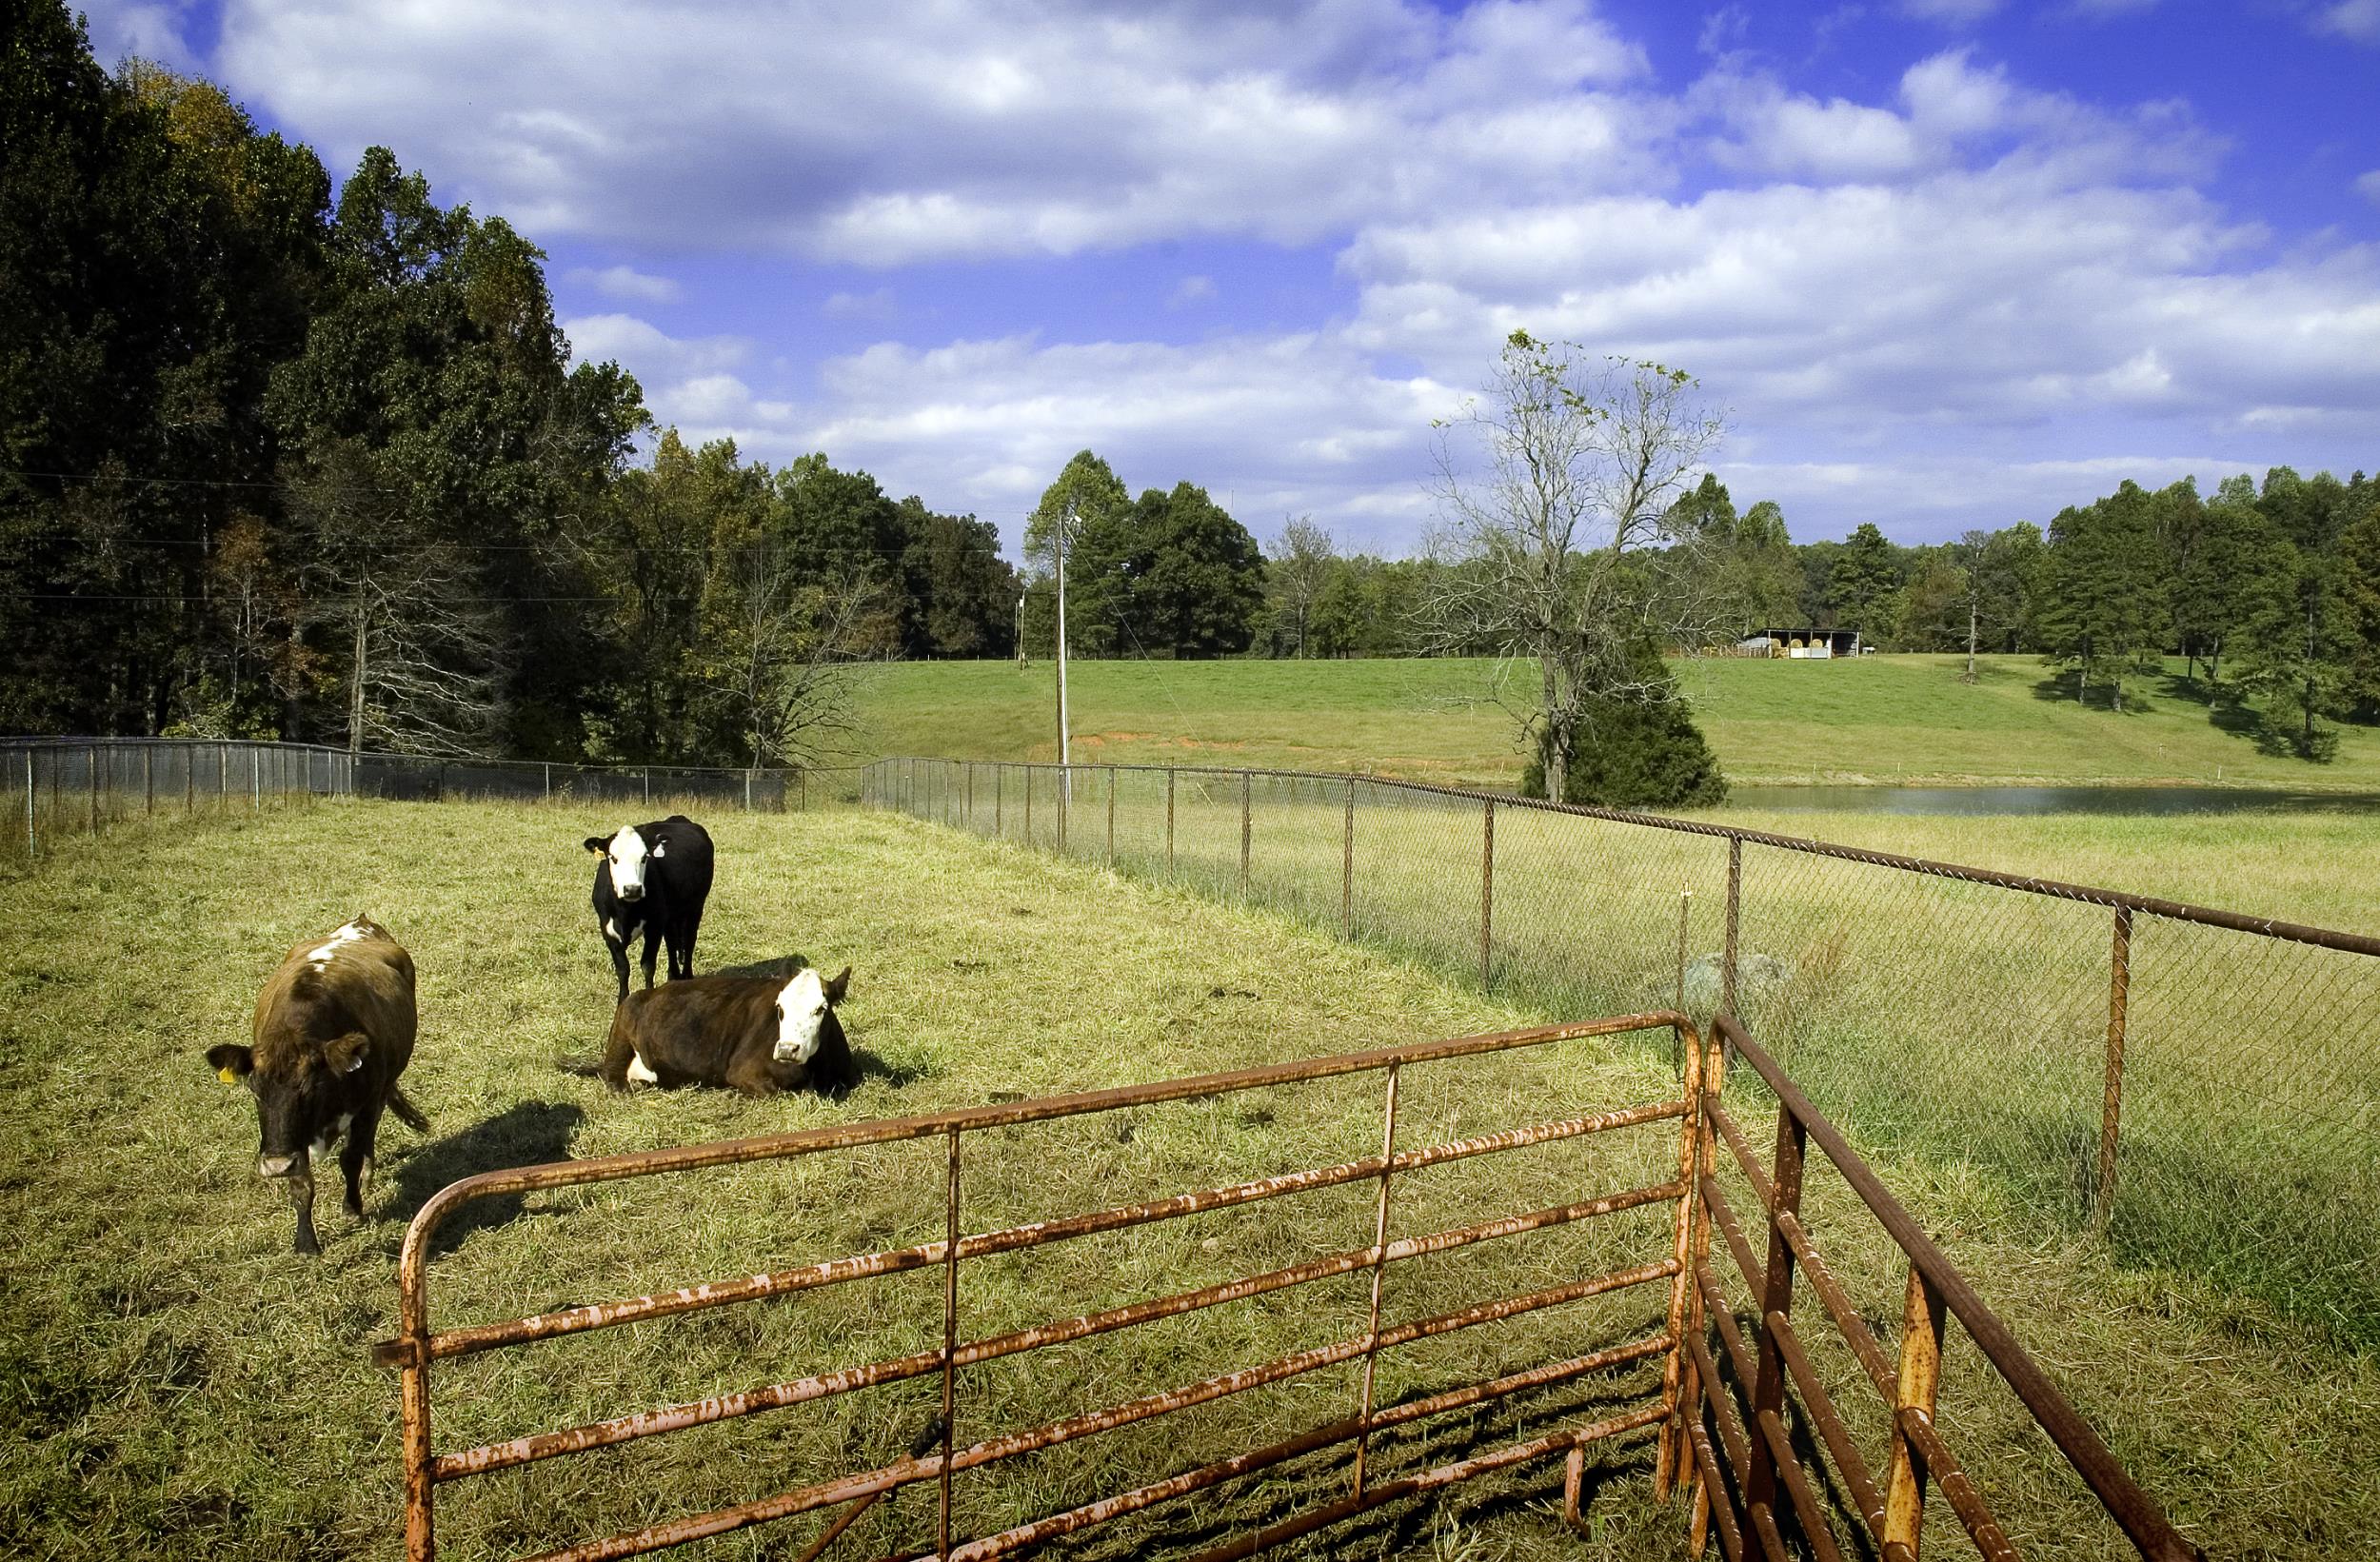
759 1035
333 1029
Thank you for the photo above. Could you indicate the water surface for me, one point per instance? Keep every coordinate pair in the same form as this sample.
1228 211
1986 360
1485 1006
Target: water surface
2047 800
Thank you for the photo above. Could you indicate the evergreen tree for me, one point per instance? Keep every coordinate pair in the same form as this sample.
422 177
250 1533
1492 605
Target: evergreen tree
2104 614
1639 752
1861 582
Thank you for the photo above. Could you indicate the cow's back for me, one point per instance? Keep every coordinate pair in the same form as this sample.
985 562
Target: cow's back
695 1025
359 979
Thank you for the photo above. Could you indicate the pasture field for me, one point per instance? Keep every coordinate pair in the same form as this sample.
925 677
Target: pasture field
174 1383
1950 1020
1877 719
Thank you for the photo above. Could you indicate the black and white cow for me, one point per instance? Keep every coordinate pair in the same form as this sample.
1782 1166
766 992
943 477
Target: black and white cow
759 1035
653 879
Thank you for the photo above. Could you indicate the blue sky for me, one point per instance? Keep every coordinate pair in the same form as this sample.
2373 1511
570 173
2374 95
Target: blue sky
1946 262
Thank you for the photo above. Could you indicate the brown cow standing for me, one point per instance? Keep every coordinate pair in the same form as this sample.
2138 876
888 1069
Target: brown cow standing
334 1028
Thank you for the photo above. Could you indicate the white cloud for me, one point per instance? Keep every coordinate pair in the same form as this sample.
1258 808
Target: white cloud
1050 129
1191 290
2356 19
1951 12
149 31
625 284
2368 184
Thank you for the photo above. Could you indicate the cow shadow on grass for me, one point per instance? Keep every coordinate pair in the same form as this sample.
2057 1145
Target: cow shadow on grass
525 1134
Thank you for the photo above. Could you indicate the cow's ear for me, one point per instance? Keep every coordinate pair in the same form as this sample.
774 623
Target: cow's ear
598 846
345 1054
661 849
231 1063
841 985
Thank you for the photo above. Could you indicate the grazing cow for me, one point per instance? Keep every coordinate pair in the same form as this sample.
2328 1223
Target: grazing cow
334 1028
760 1035
653 879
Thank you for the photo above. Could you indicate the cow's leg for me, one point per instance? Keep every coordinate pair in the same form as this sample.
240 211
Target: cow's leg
619 948
302 1200
652 952
681 952
355 1160
751 1074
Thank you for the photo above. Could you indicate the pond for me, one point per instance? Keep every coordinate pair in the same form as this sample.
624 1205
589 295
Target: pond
2046 800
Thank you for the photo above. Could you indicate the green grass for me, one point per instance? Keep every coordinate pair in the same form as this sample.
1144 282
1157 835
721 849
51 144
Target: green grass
174 1383
1875 720
1954 1021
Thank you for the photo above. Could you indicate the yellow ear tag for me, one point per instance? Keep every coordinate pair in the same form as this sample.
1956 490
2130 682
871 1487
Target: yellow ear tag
226 1077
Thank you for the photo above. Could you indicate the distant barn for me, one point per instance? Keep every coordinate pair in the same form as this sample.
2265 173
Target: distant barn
1801 645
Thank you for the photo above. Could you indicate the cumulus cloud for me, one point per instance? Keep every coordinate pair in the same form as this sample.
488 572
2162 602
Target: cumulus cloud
1051 128
149 31
625 283
2356 19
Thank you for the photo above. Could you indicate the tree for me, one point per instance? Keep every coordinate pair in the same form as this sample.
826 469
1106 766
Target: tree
781 650
1087 511
2297 640
1931 610
1991 586
961 590
1636 753
1196 578
1706 512
1296 567
2105 612
1549 541
1860 584
2359 595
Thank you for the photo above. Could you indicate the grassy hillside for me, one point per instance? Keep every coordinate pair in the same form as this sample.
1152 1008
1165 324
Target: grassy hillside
173 1383
1878 718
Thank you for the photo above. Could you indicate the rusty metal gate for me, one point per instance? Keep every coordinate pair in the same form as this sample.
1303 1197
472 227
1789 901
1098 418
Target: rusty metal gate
419 1346
1752 1392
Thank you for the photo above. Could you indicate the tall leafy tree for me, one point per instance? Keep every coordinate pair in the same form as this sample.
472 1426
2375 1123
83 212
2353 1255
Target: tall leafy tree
2359 599
2105 611
1087 513
1861 582
1297 566
1196 577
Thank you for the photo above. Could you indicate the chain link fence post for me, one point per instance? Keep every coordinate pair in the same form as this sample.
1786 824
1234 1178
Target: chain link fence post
1246 788
1169 821
32 842
1731 947
1347 868
90 779
2119 1001
1487 890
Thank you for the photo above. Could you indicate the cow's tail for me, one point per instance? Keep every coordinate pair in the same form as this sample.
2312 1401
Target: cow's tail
407 1111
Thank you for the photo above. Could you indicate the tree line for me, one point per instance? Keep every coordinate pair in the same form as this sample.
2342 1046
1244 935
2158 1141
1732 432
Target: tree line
280 464
2269 593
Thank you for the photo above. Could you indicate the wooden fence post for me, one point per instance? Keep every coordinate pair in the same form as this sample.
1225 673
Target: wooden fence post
2119 1000
90 766
1920 1376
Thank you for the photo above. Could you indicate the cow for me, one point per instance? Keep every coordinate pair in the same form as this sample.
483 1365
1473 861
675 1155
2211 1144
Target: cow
653 879
333 1029
759 1035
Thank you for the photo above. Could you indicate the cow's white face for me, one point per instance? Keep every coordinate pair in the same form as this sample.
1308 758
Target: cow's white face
626 853
801 1015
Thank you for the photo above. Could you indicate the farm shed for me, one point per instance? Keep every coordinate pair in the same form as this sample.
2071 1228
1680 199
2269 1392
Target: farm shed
1801 645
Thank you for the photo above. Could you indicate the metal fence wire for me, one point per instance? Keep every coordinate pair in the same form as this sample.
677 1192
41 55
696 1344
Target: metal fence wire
63 787
2200 1087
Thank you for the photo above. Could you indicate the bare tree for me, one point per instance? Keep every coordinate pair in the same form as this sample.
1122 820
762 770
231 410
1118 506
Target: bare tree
782 651
1298 564
419 633
1554 533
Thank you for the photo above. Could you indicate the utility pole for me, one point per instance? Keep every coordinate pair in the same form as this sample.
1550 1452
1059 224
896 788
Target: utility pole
1021 631
1065 755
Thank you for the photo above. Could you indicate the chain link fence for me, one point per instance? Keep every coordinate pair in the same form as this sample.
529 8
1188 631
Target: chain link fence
2201 1087
66 787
